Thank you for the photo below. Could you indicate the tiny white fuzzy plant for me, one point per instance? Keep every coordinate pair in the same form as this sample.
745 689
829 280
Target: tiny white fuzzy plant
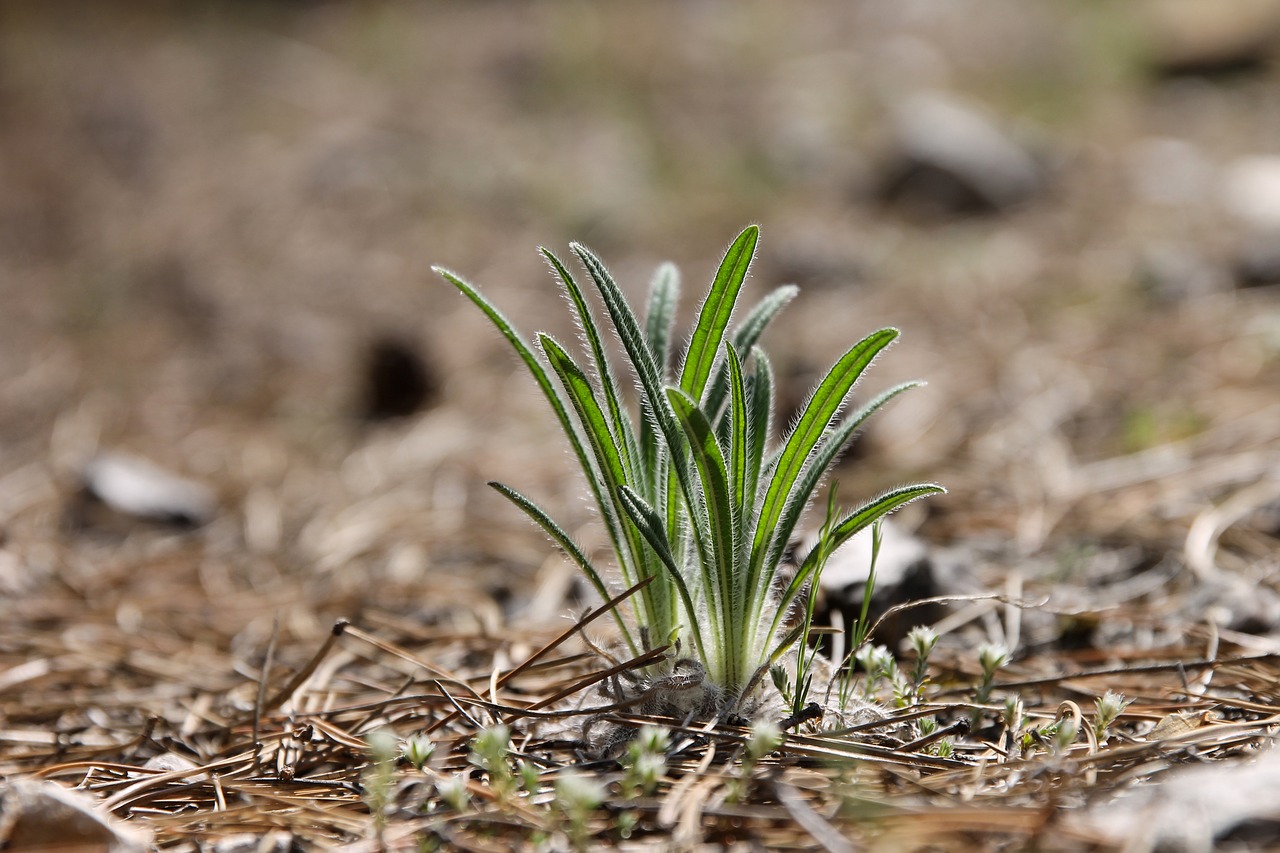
690 483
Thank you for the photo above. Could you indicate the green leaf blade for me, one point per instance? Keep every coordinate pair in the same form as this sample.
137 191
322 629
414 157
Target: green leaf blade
716 311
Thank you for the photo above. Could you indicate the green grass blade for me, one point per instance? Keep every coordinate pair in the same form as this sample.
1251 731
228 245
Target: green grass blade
609 463
649 523
749 332
632 338
716 310
660 312
650 378
739 452
877 508
569 547
664 297
622 430
759 421
818 413
719 552
549 391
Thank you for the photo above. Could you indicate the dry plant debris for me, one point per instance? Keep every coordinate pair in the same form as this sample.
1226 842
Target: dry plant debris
373 743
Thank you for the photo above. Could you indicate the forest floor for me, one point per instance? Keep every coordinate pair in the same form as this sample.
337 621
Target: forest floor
217 227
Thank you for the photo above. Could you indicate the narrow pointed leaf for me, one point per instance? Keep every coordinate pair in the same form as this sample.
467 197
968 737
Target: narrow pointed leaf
877 508
739 453
664 297
716 310
632 338
621 425
540 376
847 527
608 461
759 420
647 372
568 546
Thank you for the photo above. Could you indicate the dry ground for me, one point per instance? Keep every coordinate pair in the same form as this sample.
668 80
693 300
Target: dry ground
210 211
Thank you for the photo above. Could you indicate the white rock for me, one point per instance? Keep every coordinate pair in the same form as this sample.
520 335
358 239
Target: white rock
952 138
1190 807
138 488
1251 191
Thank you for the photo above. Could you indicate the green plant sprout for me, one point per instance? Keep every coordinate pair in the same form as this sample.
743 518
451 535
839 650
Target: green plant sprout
646 761
453 792
1107 709
990 657
417 750
491 752
763 737
690 485
578 795
378 779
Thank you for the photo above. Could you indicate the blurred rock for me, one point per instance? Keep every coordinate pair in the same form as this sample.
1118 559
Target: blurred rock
1257 262
117 487
1194 808
1171 273
397 380
1211 37
952 160
905 572
1251 191
46 816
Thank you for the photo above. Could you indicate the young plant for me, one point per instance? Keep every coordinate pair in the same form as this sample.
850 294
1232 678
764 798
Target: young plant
990 657
491 752
646 762
689 484
1108 709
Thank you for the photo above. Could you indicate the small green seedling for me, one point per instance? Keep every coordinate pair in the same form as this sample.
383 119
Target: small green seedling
646 761
578 796
763 737
418 749
378 779
990 657
491 752
689 482
1107 709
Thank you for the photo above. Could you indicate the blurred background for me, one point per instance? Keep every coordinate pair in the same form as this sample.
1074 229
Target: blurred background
217 222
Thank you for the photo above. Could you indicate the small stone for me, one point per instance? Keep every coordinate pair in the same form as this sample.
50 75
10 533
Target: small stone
47 816
953 160
134 488
1199 38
